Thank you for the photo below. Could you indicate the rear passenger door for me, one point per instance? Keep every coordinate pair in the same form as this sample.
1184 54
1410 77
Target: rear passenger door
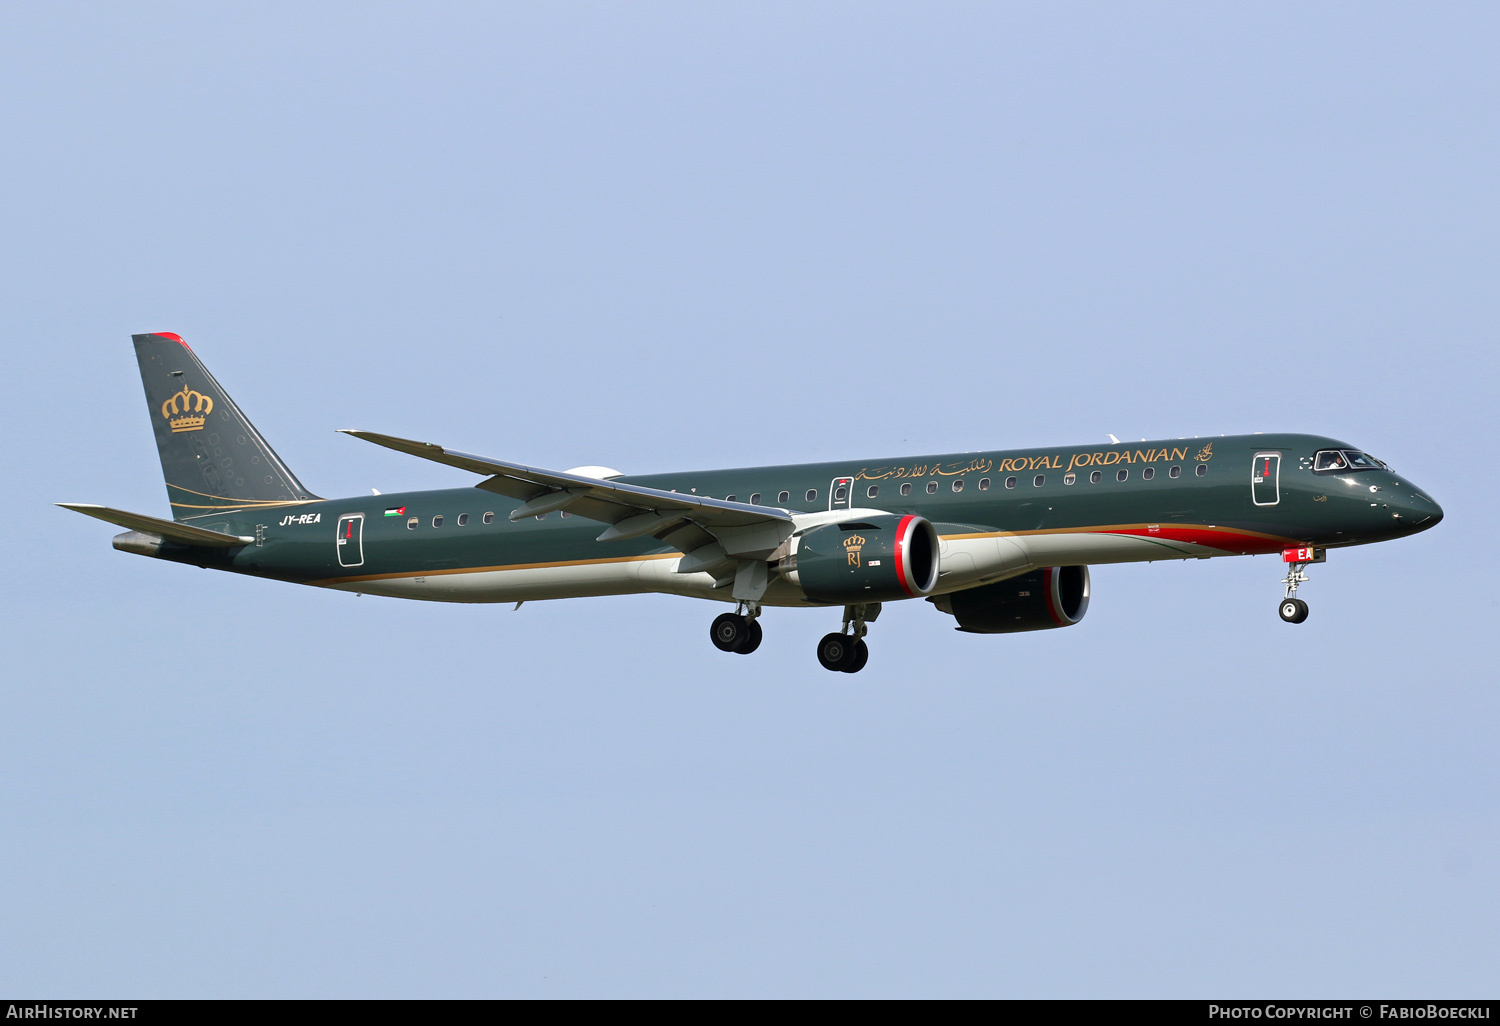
351 539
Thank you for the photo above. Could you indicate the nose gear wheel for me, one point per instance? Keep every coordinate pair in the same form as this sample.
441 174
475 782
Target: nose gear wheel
1293 609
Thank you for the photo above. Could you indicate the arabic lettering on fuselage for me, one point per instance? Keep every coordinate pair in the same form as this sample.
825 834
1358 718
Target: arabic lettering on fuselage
955 469
1053 461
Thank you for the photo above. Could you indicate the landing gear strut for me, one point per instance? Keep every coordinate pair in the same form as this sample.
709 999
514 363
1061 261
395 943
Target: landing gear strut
846 651
1293 609
739 631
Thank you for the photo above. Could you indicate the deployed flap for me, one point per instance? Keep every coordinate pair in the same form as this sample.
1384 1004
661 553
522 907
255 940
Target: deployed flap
687 521
170 529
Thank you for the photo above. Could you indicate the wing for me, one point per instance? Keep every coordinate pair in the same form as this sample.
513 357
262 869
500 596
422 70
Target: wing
714 535
170 529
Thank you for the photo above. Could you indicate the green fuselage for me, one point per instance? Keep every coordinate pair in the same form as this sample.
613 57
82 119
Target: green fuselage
1170 499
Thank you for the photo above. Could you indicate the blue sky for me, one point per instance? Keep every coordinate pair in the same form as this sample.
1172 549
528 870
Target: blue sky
662 237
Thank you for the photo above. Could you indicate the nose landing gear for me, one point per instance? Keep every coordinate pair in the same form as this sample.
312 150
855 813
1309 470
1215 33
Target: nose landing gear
737 632
1293 609
845 651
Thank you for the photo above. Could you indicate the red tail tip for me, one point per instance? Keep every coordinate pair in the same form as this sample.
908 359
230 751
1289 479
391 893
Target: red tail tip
171 335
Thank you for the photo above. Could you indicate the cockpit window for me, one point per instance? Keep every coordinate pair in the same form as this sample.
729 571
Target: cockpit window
1334 460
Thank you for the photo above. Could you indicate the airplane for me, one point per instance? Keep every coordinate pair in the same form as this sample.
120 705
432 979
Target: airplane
999 540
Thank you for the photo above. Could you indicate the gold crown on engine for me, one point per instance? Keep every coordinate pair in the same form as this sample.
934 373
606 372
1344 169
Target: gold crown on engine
194 410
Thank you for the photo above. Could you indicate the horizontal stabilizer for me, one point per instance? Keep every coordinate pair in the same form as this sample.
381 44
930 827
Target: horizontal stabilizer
168 529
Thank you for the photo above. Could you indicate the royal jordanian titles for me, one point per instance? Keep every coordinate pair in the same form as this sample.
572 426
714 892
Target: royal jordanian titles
999 541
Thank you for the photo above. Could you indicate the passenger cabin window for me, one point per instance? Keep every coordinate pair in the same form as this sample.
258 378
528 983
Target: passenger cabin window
411 525
729 498
931 487
812 495
1096 477
1010 482
463 520
1174 471
1202 470
840 493
1039 480
984 484
488 518
1069 478
1121 475
872 491
1149 473
437 521
783 497
566 514
906 488
958 484
755 499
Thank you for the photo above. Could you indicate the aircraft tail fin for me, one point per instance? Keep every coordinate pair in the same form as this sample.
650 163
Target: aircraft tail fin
213 459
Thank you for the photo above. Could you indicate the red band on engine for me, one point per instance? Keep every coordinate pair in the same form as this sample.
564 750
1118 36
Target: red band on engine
1049 589
903 530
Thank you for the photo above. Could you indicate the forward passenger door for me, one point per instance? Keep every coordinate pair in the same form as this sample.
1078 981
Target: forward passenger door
1265 478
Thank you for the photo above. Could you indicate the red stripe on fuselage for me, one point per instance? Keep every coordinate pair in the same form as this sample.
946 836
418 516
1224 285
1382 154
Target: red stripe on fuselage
1222 538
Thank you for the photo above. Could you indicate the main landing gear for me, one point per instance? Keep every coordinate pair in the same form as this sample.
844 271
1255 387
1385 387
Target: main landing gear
846 651
738 631
1293 609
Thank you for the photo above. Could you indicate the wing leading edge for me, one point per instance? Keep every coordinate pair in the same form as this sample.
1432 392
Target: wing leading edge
714 535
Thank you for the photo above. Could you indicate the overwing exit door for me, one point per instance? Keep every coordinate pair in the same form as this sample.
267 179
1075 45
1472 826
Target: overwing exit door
351 543
839 491
1265 478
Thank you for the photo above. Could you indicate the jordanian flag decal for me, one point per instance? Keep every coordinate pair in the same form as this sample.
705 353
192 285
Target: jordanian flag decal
396 511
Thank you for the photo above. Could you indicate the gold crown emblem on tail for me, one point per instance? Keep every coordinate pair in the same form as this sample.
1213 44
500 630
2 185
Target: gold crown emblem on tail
195 408
852 545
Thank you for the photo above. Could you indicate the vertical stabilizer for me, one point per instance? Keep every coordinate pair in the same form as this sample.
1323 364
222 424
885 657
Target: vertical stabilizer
212 457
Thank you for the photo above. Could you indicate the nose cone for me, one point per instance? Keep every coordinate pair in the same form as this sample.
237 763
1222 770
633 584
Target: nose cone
1416 511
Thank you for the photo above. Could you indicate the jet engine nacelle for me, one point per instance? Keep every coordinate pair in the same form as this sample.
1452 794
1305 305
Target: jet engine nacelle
865 559
1054 596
